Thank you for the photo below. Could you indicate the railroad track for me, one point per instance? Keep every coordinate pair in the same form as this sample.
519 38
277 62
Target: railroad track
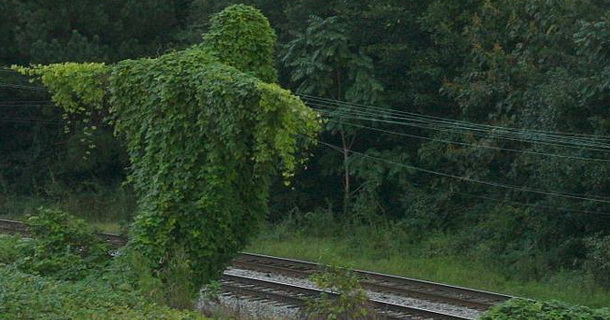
296 296
12 226
376 282
18 227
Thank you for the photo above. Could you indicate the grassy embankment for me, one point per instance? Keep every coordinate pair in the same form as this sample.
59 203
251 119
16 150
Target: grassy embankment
383 250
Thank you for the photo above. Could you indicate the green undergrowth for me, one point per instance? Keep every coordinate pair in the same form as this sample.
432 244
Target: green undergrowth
63 271
542 310
25 296
384 249
109 293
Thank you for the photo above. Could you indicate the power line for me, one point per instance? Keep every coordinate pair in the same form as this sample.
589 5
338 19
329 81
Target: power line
19 106
24 104
24 101
416 123
555 142
469 144
535 205
446 120
489 183
29 120
340 150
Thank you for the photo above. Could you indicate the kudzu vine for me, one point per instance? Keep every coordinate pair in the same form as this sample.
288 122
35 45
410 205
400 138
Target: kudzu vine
206 130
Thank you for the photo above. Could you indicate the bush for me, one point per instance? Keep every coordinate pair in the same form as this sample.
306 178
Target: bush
24 296
63 247
516 309
9 248
351 302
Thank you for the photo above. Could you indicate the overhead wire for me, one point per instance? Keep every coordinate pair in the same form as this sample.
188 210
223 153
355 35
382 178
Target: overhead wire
535 205
601 199
402 134
441 119
415 120
385 115
600 143
24 104
416 123
358 114
24 101
382 116
405 115
341 150
18 86
28 120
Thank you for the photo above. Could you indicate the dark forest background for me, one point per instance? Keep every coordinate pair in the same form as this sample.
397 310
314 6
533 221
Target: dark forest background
486 120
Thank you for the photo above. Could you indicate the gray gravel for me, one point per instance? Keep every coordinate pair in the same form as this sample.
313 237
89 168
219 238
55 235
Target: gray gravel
228 306
258 307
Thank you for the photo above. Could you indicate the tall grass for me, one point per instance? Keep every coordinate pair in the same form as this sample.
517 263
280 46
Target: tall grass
386 247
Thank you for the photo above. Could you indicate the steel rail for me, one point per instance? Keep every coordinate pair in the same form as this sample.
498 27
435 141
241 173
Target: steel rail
18 227
408 287
298 296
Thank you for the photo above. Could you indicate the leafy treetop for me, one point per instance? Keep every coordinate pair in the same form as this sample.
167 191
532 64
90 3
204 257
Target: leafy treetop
242 38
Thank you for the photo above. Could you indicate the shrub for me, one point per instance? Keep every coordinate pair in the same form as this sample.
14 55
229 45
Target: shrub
9 248
24 297
63 247
351 302
516 309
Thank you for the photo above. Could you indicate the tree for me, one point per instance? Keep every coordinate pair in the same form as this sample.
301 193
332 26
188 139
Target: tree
204 140
325 63
525 67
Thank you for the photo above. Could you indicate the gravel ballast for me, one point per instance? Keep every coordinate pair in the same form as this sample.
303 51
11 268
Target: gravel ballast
270 310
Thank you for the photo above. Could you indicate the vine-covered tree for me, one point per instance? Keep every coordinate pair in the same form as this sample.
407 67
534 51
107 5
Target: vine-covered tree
205 134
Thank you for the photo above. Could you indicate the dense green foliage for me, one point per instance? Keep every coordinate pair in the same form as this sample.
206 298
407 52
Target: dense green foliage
63 271
525 201
530 309
204 139
242 38
25 296
62 247
522 184
201 155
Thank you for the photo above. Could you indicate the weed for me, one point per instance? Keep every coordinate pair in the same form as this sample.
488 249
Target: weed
350 302
211 291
